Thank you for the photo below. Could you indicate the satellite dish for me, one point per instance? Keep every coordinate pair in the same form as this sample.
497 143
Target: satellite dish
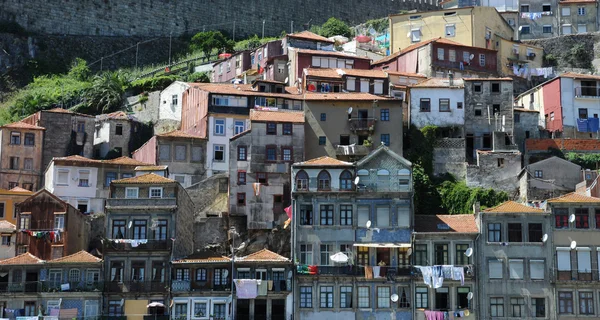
572 218
286 79
573 244
471 56
394 298
350 110
356 180
469 252
129 224
470 296
409 252
368 224
545 238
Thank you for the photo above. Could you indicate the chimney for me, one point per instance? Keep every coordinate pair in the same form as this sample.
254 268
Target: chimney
451 78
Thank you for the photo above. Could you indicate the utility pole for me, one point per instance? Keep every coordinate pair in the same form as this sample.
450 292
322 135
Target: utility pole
292 27
263 30
233 30
101 60
170 37
137 49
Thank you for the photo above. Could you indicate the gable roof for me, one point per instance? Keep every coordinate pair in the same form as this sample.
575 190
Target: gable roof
203 257
148 178
77 159
439 83
61 110
22 259
22 125
405 74
263 255
78 257
125 161
244 90
378 150
513 207
179 134
7 226
307 35
574 197
555 158
151 168
276 116
50 194
323 161
562 144
446 223
351 96
331 54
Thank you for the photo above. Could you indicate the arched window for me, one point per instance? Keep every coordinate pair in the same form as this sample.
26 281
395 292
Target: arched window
324 181
301 181
346 180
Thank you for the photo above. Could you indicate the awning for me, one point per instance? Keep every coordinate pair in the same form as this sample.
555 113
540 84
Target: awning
383 245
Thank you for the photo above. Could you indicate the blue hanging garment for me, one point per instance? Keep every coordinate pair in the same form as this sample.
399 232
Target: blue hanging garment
593 124
582 125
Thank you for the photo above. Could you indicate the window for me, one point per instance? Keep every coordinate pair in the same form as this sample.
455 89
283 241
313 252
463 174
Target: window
324 181
515 232
586 302
462 300
497 307
538 307
583 113
119 130
547 29
482 57
15 138
383 216
495 87
581 28
118 229
262 178
581 11
110 176
495 269
59 221
517 307
346 182
425 105
584 260
461 258
132 193
421 255
242 153
239 127
378 86
525 8
561 218
219 127
180 311
91 309
539 174
563 260
440 54
326 214
515 268
6 240
28 164
421 298
219 277
139 229
241 178
364 297
271 153
566 29
383 297
535 232
415 35
525 29
156 192
180 153
566 11
196 154
286 129
494 232
441 254
241 199
219 152
160 231
477 87
326 297
597 213
14 163
29 139
301 181
442 298
346 215
536 269
384 115
444 105
450 30
363 215
582 218
200 308
271 128
306 254
138 269
305 297
452 55
219 310
322 140
364 85
466 56
385 139
565 302
345 297
74 275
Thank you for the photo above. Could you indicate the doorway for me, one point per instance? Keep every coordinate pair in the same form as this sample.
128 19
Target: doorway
260 309
278 309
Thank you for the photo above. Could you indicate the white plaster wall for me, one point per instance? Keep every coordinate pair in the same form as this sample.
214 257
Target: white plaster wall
8 251
456 117
571 105
49 178
166 110
72 189
102 135
188 179
524 101
213 140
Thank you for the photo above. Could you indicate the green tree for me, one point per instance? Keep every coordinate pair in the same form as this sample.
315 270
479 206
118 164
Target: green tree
79 70
335 27
426 196
208 41
106 93
198 77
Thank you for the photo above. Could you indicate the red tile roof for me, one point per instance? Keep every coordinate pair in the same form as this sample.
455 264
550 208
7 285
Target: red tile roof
61 110
22 259
19 189
307 35
574 75
244 90
353 96
513 207
443 223
204 257
125 161
439 83
488 79
148 178
150 168
5 225
331 54
405 74
574 197
324 161
179 134
562 144
22 125
323 72
78 257
263 255
277 116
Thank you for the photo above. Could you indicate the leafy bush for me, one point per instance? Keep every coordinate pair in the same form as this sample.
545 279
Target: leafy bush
379 25
106 93
198 77
208 41
152 84
79 70
587 161
333 27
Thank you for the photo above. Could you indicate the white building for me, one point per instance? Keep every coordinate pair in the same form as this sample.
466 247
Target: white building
9 238
170 101
437 102
221 127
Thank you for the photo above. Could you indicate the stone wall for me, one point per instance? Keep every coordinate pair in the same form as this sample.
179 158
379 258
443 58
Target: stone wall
163 17
497 170
449 156
560 48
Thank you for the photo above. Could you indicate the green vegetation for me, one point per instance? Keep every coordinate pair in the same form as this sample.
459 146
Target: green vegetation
208 41
421 151
152 84
457 198
106 93
333 27
252 43
379 25
586 161
579 57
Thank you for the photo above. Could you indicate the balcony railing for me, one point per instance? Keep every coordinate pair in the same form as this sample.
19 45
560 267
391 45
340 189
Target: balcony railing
384 272
112 245
383 186
16 287
362 124
136 286
587 92
76 286
141 202
576 275
186 286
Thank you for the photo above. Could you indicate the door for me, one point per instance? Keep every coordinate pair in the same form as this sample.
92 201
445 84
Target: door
363 114
31 282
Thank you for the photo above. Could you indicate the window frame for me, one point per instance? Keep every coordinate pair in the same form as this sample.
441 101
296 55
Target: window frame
446 103
220 128
215 150
271 128
287 129
271 149
152 189
324 184
306 297
327 293
425 105
384 114
242 153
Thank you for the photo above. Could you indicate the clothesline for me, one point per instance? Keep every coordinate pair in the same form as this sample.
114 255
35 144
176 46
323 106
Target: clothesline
445 315
434 276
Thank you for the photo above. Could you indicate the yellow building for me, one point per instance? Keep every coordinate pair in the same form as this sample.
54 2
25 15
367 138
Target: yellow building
577 16
519 54
471 26
8 200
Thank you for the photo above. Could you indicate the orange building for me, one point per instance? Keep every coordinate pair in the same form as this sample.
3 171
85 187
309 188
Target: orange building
21 155
8 201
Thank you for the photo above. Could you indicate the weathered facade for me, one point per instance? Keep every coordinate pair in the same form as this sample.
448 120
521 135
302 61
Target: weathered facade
538 19
300 59
540 149
547 179
327 80
577 16
361 211
438 102
21 148
8 203
231 67
526 126
498 170
170 101
260 164
115 134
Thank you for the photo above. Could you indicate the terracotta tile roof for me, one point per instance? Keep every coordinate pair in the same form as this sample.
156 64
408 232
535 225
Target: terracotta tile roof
149 178
244 90
243 133
439 83
406 74
179 134
268 81
19 189
61 110
331 54
78 257
276 116
263 255
488 79
204 257
562 144
5 225
513 207
307 35
338 73
117 115
22 125
77 158
323 161
150 168
125 161
525 110
365 73
352 96
323 73
444 223
579 75
22 259
574 197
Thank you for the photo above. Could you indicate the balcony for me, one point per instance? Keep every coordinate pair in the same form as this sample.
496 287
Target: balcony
136 287
384 272
113 245
382 186
187 286
362 124
587 92
20 287
351 150
48 286
576 276
141 203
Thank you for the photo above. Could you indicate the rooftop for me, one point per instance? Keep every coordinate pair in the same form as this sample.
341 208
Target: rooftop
204 257
148 178
5 225
117 115
244 90
331 54
22 125
444 223
576 1
525 110
179 134
150 168
513 207
263 255
307 35
562 144
323 161
22 259
574 75
419 45
78 257
488 79
405 74
276 116
439 83
574 198
61 110
126 161
352 96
